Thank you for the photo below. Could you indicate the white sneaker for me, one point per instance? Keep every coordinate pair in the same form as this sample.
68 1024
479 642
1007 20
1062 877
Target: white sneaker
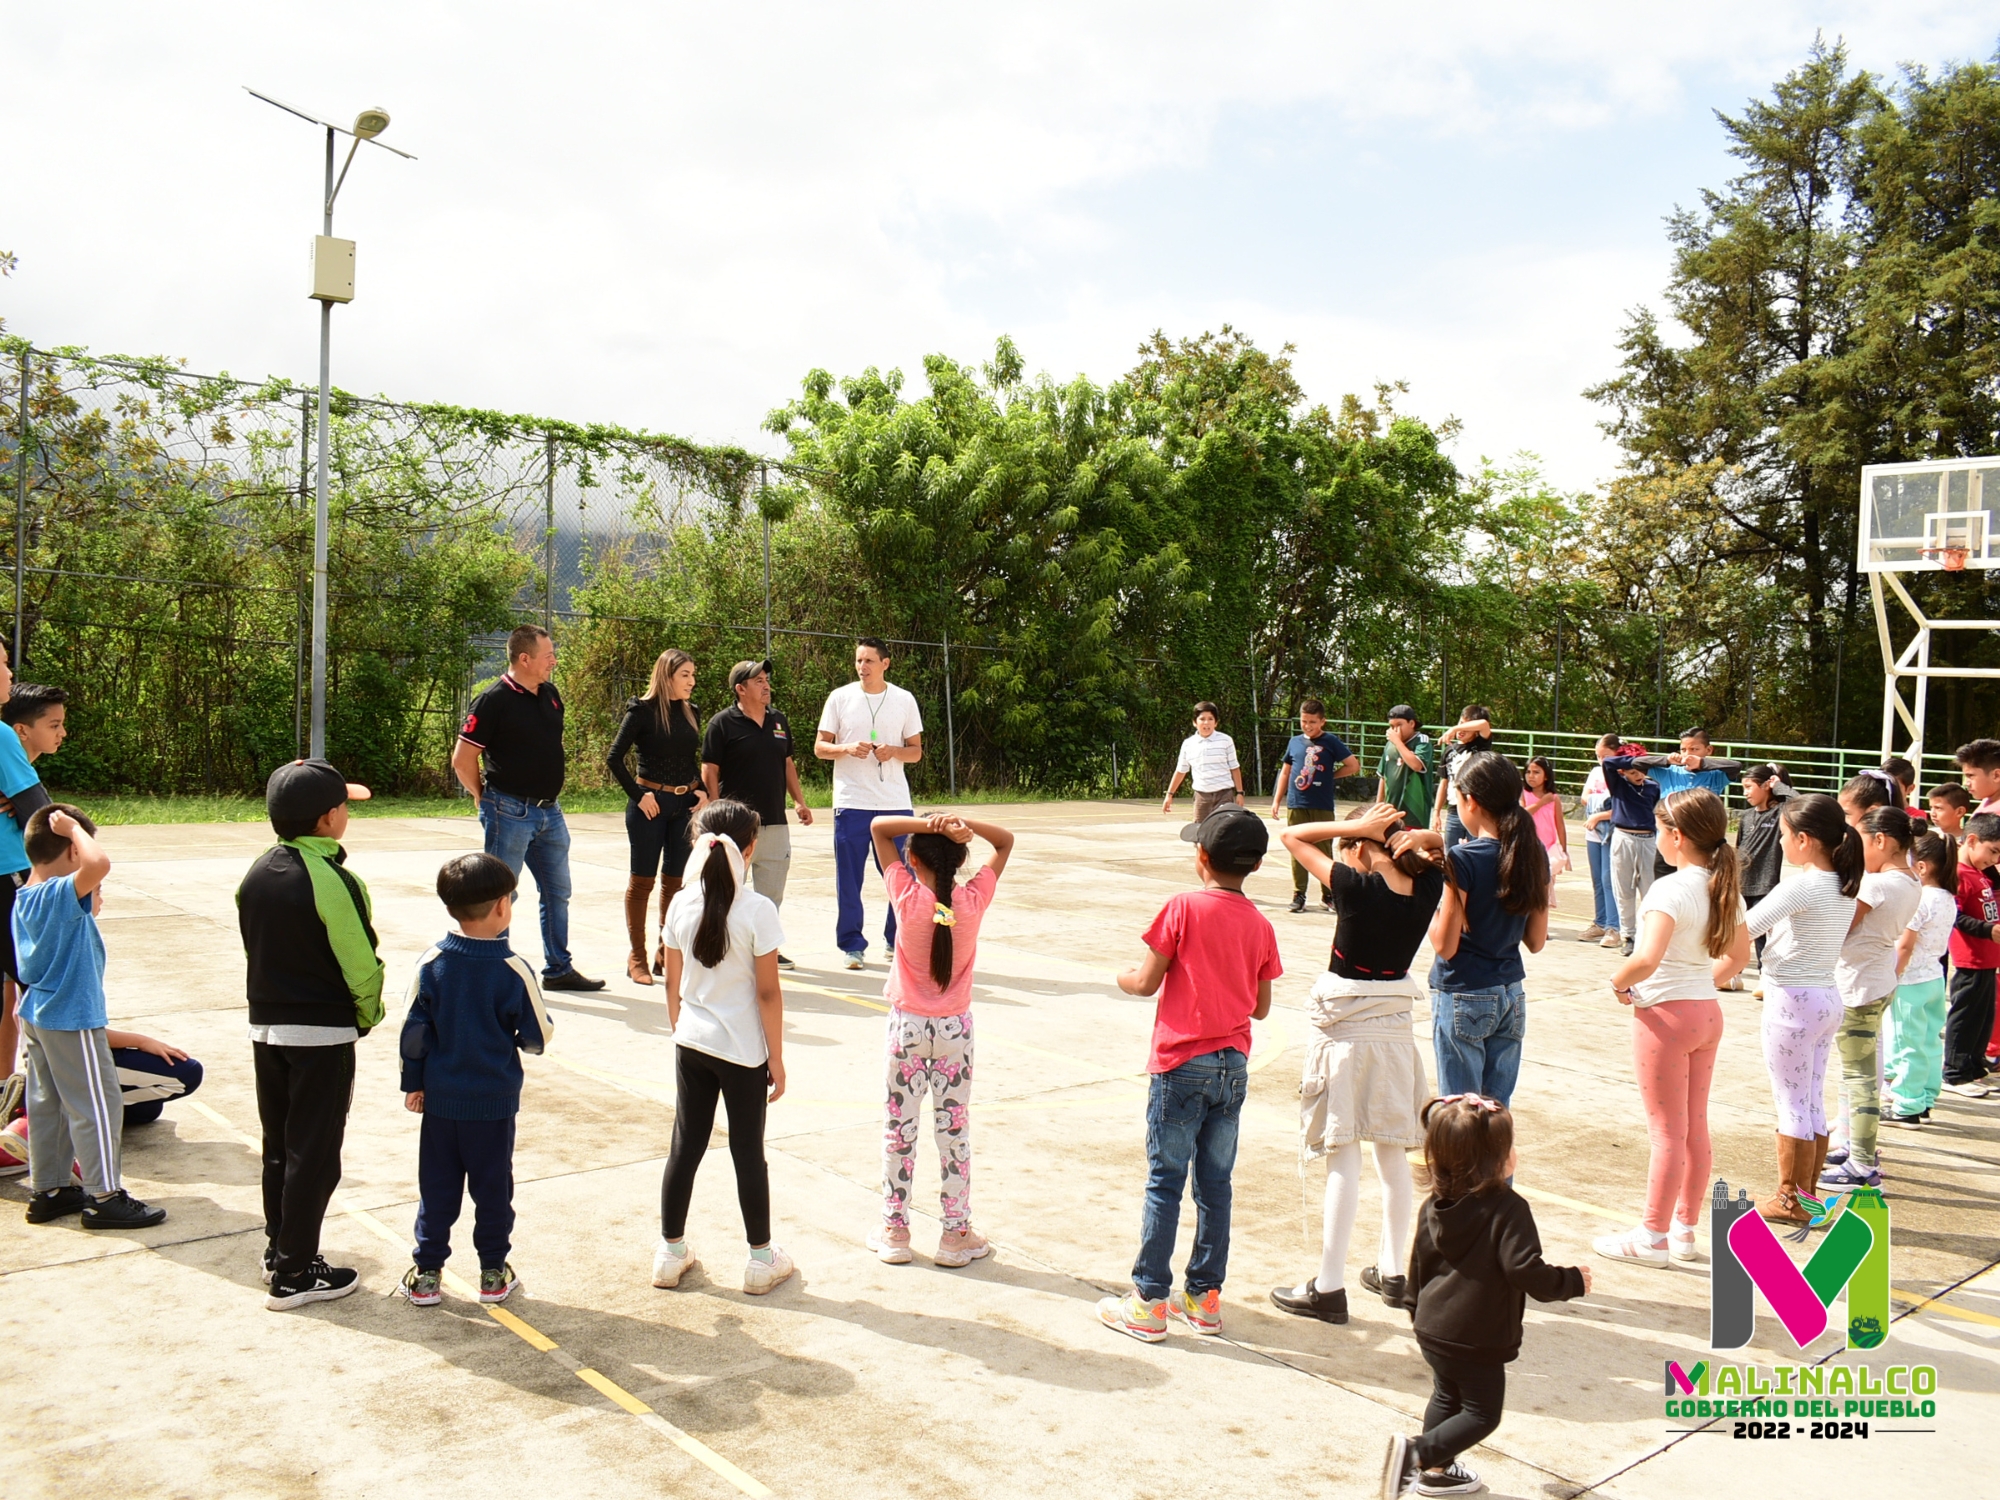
1968 1090
1681 1242
759 1276
1611 940
669 1268
1633 1244
855 961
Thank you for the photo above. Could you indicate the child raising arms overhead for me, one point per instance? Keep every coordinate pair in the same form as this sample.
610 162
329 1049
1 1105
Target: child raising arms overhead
930 1020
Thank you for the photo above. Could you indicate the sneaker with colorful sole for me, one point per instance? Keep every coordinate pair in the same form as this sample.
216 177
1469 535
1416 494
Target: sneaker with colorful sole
1135 1317
1202 1314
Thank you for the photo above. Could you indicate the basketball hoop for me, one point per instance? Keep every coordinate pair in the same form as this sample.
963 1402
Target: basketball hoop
1952 558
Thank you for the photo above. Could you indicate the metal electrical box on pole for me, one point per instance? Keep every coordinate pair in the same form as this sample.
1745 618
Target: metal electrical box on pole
332 269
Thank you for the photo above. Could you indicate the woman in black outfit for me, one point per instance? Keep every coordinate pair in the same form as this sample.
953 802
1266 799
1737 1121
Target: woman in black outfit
665 795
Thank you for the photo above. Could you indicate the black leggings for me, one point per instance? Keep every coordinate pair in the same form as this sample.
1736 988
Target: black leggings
699 1080
1465 1408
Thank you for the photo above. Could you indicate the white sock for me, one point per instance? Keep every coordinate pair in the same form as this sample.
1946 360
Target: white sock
1343 1195
1392 1165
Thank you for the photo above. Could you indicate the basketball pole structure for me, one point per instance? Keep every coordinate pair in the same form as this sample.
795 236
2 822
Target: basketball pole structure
1935 516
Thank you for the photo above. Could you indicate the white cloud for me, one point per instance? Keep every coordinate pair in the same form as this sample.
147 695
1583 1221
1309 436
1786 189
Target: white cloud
664 215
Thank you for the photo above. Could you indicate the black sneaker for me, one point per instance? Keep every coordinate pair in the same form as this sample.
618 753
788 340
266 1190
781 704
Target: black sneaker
1908 1122
785 963
120 1211
570 980
57 1203
1299 902
1399 1468
1453 1479
1328 1307
319 1282
1326 904
1625 948
1389 1288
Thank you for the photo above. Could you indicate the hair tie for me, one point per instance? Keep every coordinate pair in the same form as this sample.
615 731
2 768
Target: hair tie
1479 1101
703 842
943 916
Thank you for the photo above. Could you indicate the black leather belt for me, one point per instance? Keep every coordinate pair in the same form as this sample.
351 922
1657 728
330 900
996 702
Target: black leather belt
531 801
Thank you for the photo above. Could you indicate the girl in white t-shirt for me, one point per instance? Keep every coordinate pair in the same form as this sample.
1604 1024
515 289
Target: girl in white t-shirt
1866 978
930 1021
1692 938
1914 1046
728 1015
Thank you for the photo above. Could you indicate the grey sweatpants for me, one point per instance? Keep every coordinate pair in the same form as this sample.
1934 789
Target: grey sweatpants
772 862
1631 876
75 1113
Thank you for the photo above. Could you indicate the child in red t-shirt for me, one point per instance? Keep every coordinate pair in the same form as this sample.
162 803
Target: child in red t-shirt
1968 1024
1211 957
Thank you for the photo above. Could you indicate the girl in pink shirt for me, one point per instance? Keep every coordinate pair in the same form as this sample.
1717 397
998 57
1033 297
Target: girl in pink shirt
930 1020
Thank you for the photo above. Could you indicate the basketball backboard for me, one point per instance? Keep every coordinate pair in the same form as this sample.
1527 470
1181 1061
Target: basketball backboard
1935 516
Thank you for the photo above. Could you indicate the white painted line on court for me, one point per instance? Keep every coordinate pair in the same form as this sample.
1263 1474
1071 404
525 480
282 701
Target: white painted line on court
535 1339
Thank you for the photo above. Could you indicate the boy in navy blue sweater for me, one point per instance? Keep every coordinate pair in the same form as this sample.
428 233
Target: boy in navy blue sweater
474 1008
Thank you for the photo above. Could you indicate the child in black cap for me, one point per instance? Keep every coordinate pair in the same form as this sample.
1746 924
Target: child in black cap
315 988
1211 957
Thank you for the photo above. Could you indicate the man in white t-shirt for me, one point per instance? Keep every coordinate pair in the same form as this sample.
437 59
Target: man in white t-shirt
870 729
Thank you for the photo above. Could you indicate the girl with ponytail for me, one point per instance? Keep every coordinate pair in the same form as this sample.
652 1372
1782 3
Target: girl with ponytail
1805 921
1496 899
728 1016
930 1019
1866 978
1915 1047
1692 939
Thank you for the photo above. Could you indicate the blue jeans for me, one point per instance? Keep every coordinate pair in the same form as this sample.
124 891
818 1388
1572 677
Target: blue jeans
1601 890
519 833
853 846
1192 1116
1477 1035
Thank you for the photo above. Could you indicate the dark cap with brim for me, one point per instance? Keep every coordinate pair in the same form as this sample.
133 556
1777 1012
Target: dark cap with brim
1404 711
743 671
1233 838
305 790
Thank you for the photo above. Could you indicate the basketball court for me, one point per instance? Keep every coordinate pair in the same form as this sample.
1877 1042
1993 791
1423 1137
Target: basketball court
148 1365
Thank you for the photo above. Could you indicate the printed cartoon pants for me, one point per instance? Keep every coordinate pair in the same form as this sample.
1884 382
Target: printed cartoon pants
929 1054
1861 1078
1798 1035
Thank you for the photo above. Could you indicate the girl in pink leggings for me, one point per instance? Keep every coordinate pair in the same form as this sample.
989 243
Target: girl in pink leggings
1692 938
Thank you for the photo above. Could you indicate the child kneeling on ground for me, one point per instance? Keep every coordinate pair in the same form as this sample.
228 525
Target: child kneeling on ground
930 1021
1476 1261
74 1113
474 1009
1211 957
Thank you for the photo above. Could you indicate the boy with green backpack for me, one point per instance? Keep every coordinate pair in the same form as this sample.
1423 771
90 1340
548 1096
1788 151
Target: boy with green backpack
315 988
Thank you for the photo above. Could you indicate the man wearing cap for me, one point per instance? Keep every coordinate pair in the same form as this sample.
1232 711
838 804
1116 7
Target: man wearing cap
1406 776
314 984
517 725
746 756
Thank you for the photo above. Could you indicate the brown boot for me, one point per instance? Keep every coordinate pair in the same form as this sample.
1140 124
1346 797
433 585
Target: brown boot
669 885
1783 1206
638 896
1810 1187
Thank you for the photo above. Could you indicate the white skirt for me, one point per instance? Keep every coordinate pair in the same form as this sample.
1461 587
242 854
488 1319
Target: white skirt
1363 1081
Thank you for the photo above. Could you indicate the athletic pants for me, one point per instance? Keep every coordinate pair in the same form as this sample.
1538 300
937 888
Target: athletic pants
1967 1025
303 1095
146 1081
1465 1405
1859 1040
73 1110
452 1156
1673 1053
1915 1047
1343 1196
699 1080
1631 876
1799 1026
929 1055
1293 817
853 851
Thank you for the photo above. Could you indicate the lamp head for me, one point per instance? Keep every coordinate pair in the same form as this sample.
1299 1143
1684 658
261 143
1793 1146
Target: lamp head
371 123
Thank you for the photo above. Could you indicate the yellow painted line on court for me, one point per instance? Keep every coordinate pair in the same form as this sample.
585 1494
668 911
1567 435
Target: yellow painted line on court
1534 1194
535 1339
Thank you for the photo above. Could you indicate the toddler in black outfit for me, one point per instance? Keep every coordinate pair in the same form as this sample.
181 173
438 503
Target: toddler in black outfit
1476 1261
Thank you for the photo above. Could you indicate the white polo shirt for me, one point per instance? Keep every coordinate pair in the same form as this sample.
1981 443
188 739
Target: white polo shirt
890 717
1208 761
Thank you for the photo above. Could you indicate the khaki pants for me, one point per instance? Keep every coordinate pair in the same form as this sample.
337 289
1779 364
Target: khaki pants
771 863
1207 802
1295 816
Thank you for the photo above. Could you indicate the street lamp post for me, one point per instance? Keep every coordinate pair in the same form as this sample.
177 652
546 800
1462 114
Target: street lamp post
332 281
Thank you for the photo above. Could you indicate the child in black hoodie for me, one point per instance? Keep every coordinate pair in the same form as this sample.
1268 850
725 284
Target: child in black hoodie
1476 1261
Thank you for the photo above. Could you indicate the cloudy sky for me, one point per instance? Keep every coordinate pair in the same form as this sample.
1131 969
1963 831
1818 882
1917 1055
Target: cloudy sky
665 214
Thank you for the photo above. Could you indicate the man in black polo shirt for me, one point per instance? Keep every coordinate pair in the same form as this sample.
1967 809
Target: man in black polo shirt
517 724
746 755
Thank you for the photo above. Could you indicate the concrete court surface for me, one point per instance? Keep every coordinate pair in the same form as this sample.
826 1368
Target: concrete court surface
146 1365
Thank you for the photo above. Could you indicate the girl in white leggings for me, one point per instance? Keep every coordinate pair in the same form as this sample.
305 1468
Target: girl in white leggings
1804 922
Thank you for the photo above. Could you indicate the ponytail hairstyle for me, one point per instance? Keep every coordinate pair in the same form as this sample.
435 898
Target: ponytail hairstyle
1467 1140
1906 774
942 857
1699 817
1820 819
1893 821
1610 741
718 882
1492 782
1412 862
1871 789
1939 852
